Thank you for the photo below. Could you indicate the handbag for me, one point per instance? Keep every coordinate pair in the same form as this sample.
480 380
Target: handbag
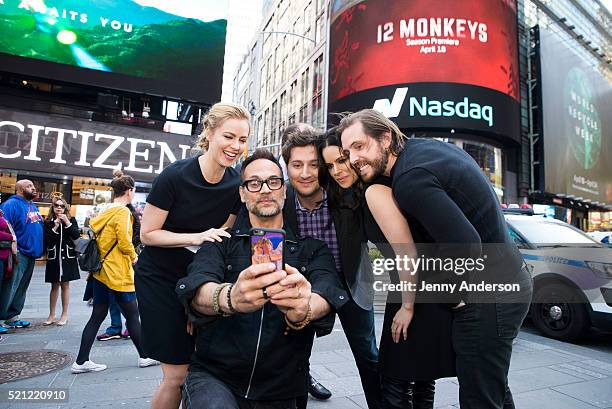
88 252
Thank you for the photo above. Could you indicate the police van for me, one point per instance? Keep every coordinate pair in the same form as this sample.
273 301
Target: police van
572 275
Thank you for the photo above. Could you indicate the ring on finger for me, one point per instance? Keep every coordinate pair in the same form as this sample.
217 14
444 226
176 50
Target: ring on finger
265 293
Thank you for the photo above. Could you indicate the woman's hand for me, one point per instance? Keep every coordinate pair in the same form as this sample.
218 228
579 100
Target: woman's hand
210 235
62 217
401 322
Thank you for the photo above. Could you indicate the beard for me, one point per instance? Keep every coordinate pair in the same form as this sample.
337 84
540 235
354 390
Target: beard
378 165
28 195
253 207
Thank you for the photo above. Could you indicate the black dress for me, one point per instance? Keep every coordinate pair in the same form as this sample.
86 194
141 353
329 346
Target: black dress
194 205
427 353
62 264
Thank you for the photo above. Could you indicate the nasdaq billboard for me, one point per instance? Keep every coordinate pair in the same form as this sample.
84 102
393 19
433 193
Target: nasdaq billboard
428 64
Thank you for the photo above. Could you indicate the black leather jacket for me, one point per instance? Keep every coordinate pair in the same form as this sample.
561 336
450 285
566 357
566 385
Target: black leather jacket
250 352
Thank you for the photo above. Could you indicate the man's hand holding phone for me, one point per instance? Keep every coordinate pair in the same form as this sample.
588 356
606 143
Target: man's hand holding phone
250 292
292 295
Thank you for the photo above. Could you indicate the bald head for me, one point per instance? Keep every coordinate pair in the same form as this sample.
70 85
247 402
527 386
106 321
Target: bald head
26 189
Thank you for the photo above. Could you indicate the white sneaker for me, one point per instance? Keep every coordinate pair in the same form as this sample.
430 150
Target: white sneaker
144 362
87 366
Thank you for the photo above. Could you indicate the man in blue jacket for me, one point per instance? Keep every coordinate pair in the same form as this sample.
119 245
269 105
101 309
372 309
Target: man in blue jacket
27 222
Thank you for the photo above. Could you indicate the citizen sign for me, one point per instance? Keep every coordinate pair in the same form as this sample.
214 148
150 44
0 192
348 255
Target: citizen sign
86 148
424 106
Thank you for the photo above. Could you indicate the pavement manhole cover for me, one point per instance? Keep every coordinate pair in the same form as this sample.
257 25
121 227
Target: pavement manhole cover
22 365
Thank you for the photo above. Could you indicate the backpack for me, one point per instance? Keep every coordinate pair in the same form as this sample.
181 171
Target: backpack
88 253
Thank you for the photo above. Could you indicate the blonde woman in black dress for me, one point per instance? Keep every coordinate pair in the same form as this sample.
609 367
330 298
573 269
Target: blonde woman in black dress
190 202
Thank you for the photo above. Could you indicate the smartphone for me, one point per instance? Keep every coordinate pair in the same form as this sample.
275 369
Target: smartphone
267 246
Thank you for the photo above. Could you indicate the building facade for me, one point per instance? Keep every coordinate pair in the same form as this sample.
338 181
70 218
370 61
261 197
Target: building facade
281 79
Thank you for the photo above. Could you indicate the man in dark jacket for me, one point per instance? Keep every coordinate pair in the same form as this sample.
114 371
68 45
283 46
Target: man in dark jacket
449 202
255 325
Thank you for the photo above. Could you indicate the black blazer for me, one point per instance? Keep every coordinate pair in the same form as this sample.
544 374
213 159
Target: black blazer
356 267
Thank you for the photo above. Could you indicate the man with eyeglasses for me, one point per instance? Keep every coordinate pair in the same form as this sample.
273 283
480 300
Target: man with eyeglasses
255 324
22 214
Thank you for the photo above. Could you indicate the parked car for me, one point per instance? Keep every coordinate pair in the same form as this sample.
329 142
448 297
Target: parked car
602 237
572 275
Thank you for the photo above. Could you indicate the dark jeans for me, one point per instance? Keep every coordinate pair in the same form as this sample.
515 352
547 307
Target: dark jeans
13 291
115 316
482 339
402 394
201 390
358 325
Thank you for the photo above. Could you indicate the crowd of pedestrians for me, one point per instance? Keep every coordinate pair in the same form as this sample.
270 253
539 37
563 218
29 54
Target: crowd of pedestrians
239 335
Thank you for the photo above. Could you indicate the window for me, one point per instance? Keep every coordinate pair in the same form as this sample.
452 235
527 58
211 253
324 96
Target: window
319 26
263 88
307 28
282 111
303 116
520 243
266 128
284 69
317 93
544 233
293 102
259 135
269 76
320 4
274 123
277 63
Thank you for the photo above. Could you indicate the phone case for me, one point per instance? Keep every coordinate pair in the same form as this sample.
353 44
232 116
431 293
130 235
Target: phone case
267 246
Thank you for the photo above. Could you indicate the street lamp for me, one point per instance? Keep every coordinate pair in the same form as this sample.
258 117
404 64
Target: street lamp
288 33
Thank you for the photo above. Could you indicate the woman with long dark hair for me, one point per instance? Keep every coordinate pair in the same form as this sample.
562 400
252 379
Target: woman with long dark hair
60 230
113 229
190 202
409 360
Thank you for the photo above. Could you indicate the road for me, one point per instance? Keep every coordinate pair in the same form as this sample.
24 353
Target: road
544 374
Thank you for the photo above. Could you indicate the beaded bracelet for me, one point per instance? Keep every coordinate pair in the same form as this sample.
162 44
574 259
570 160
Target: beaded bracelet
302 324
215 299
229 300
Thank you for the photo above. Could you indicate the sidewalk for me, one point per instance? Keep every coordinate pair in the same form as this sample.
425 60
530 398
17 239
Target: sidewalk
544 373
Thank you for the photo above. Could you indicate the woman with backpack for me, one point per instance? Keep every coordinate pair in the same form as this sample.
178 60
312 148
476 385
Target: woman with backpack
60 231
113 228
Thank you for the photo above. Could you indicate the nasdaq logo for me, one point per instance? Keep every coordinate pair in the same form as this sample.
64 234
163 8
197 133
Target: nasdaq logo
428 107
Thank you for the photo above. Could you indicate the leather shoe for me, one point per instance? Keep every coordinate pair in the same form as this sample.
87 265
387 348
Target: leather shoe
317 390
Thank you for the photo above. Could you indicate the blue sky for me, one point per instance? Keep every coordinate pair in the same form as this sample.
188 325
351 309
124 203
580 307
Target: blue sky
205 10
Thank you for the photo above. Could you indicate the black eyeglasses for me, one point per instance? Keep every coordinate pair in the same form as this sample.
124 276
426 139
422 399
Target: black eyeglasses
255 185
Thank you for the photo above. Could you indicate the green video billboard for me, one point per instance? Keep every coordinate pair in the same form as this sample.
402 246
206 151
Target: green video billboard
167 48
